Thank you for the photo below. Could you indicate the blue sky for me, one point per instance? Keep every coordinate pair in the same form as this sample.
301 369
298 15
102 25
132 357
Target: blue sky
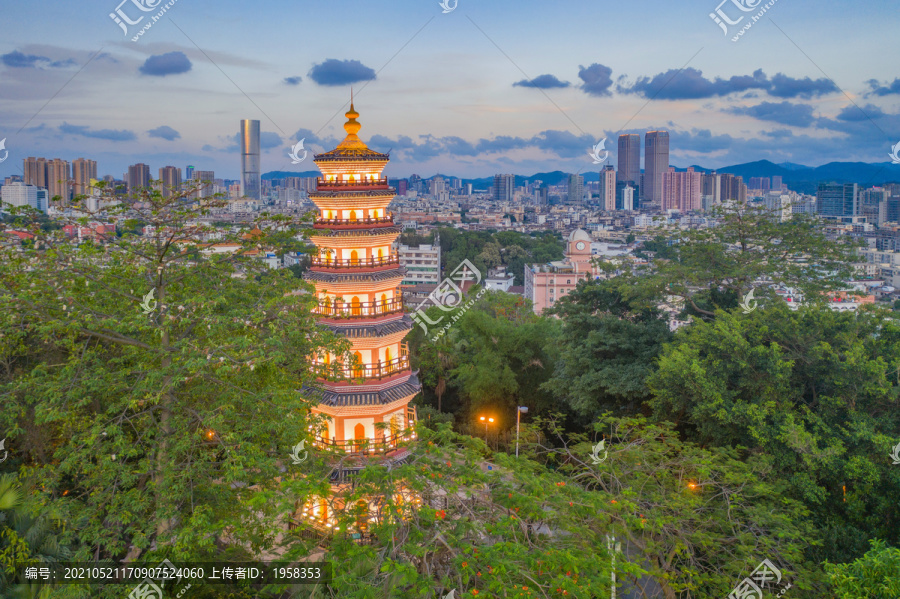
810 82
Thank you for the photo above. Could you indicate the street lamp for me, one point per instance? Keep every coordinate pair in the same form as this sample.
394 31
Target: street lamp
486 420
519 412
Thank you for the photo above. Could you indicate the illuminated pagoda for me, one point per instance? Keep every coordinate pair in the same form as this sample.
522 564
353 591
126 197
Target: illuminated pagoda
364 399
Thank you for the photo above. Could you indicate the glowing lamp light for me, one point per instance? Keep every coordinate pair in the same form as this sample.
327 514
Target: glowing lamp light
210 434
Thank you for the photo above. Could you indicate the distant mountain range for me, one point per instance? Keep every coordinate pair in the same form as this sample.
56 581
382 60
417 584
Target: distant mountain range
797 177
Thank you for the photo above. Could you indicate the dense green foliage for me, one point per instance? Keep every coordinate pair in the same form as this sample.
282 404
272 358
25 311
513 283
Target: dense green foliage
606 350
876 575
146 419
494 358
163 430
816 390
545 525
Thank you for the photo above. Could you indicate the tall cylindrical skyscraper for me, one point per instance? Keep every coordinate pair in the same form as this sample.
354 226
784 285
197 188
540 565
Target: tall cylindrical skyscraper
250 174
656 162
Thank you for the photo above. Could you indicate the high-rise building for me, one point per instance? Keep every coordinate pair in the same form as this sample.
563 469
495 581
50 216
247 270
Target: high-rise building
36 172
891 210
837 199
82 172
777 184
189 173
422 263
138 177
621 186
504 188
629 159
59 184
362 395
656 162
732 188
437 185
779 205
169 180
627 196
206 181
760 184
710 189
576 189
250 165
681 191
20 194
608 188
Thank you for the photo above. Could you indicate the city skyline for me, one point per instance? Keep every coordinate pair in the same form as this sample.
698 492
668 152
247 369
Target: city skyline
446 92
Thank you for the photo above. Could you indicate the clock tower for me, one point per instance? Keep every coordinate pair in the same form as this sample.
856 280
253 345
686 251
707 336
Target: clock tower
579 246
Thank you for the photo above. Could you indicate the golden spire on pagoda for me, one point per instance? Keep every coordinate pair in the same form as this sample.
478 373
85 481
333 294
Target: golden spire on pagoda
352 127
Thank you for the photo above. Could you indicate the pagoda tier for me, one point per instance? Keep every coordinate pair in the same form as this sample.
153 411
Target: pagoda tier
357 276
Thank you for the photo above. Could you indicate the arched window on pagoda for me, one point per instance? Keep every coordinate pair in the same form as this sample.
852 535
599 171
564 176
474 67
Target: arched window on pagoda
353 215
354 257
358 370
355 307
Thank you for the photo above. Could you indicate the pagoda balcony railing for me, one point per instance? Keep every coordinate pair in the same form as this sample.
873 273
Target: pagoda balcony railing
359 310
373 446
363 182
328 262
354 222
377 371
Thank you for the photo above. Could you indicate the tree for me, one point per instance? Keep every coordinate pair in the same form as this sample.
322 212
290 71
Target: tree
153 384
29 536
814 389
873 576
607 349
540 525
694 519
713 268
494 355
